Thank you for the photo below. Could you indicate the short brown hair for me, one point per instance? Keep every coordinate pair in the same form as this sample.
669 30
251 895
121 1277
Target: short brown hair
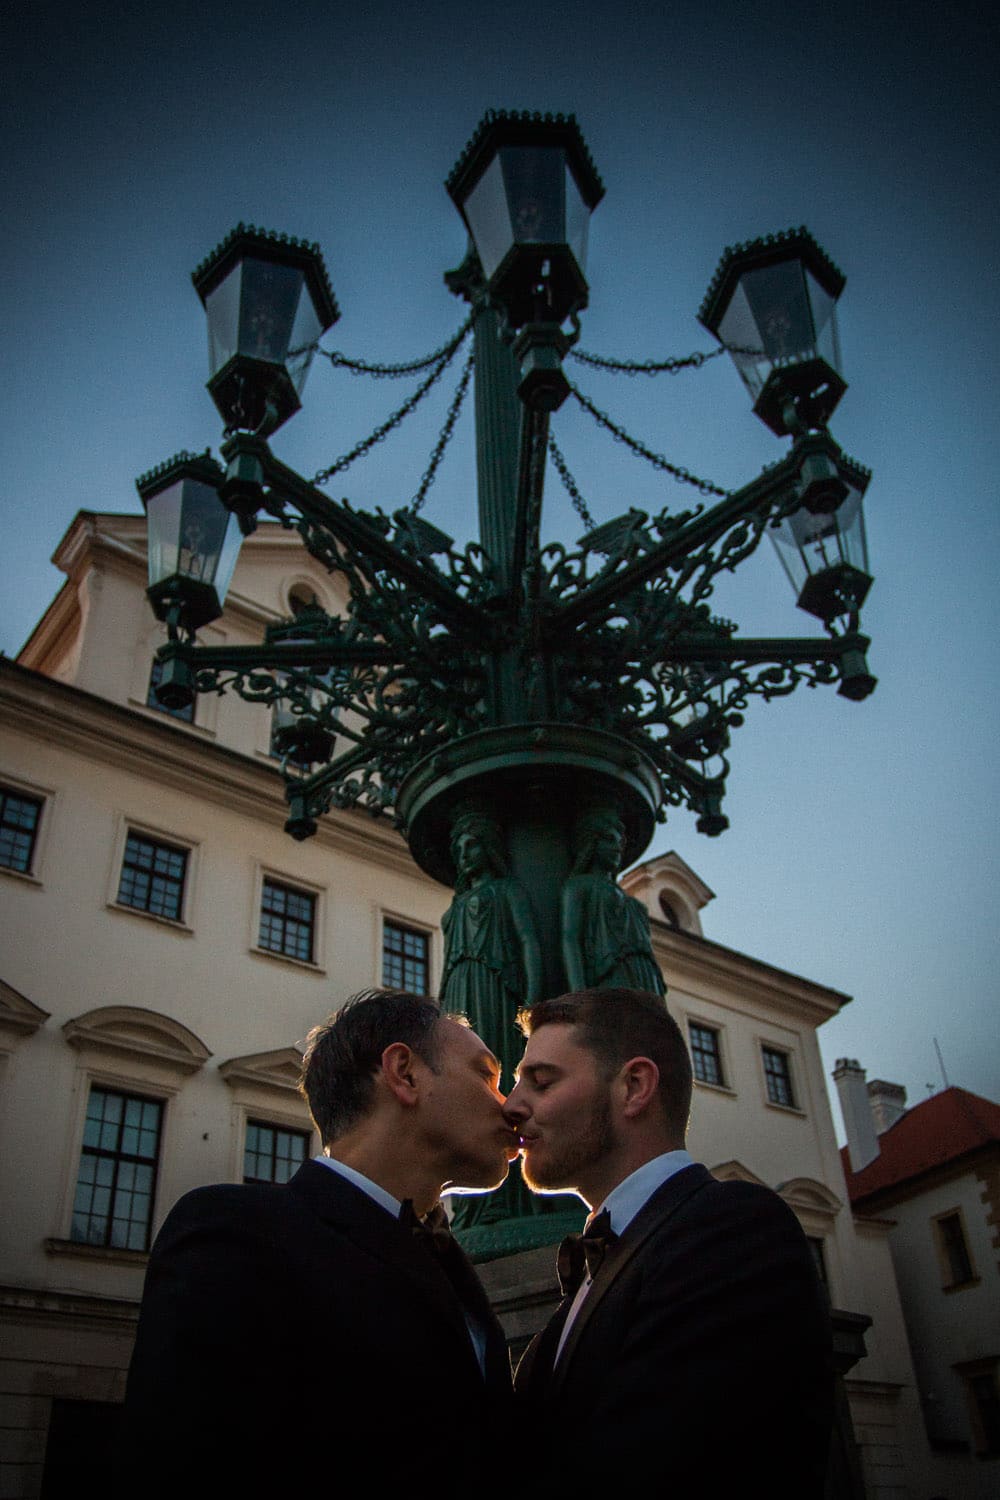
616 1024
343 1054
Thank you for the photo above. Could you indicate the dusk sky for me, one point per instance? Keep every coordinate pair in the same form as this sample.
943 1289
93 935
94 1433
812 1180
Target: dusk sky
861 851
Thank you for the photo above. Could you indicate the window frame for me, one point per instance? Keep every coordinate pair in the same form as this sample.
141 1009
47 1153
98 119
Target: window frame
269 874
258 1120
45 797
119 1157
764 1046
722 1085
176 842
407 928
949 1282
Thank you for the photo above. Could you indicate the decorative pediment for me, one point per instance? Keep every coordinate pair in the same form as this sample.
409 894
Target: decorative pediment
735 1171
276 1070
806 1195
670 890
19 1016
125 1031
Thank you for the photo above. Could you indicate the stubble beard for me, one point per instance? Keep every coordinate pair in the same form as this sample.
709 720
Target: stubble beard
561 1170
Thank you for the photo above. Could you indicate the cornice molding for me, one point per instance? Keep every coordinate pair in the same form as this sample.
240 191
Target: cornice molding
280 1069
19 1016
166 754
692 962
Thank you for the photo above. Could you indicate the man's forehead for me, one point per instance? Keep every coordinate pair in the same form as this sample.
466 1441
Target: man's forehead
555 1045
461 1036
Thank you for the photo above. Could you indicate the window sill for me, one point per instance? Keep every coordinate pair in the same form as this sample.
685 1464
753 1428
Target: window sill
111 1254
286 958
961 1286
28 876
152 916
714 1088
786 1109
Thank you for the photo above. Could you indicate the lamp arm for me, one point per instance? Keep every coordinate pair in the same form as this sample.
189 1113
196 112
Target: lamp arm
361 536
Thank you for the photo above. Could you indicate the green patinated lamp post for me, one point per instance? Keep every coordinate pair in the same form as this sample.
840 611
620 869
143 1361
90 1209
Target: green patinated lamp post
525 713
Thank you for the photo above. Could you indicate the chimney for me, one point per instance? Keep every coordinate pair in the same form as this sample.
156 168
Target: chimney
887 1102
862 1142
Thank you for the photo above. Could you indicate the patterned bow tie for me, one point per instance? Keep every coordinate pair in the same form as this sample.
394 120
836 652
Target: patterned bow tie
583 1254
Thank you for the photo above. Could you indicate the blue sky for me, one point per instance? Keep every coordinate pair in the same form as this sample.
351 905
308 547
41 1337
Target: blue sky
860 851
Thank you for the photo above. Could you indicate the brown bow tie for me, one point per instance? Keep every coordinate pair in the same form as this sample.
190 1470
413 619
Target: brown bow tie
583 1254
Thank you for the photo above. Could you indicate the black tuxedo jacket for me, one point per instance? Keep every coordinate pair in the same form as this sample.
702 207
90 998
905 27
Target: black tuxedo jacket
299 1327
701 1354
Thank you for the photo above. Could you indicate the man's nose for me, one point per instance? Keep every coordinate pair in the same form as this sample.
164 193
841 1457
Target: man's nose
514 1110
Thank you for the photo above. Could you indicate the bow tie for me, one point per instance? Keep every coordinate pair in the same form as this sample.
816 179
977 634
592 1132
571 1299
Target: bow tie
433 1230
583 1254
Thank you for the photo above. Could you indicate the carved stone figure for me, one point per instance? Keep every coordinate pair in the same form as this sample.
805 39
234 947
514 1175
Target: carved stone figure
492 968
605 933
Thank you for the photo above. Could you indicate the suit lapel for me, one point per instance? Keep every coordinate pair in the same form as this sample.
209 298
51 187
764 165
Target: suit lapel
664 1203
348 1209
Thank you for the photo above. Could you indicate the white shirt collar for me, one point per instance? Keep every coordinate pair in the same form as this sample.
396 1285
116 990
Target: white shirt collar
377 1194
635 1191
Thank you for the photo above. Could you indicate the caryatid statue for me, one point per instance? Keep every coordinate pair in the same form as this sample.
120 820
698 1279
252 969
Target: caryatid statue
605 933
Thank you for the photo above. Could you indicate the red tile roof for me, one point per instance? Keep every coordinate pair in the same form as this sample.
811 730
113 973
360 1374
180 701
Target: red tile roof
940 1130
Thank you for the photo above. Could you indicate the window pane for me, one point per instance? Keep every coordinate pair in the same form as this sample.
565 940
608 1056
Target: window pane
19 817
777 1072
287 921
152 877
114 1195
955 1249
271 1154
405 958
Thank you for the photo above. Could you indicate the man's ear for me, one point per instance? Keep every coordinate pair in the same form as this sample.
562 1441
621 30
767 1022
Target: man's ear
399 1073
639 1083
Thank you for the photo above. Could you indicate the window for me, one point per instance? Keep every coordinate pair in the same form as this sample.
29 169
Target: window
114 1189
405 958
186 714
985 1402
19 819
287 921
272 1154
152 878
956 1261
778 1077
706 1054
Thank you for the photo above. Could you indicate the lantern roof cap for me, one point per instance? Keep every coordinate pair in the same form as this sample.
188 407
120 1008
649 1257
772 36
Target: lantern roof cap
768 250
524 127
182 465
272 245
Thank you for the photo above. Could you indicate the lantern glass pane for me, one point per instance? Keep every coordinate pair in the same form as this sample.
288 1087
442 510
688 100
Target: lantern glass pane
488 218
269 304
781 312
577 221
738 332
192 534
824 310
807 543
222 310
535 181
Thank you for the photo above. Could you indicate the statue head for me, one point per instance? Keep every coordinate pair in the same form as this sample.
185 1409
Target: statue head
477 847
598 843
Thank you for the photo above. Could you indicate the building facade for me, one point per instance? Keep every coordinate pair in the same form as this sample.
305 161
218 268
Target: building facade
934 1172
165 950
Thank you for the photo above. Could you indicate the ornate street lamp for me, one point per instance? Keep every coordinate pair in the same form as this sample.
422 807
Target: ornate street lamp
526 714
772 304
268 299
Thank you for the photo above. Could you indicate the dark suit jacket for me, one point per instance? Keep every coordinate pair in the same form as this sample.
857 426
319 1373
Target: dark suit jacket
289 1327
701 1352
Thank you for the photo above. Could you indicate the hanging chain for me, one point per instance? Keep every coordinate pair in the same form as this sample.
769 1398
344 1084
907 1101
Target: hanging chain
646 366
430 473
579 504
397 416
703 486
393 372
